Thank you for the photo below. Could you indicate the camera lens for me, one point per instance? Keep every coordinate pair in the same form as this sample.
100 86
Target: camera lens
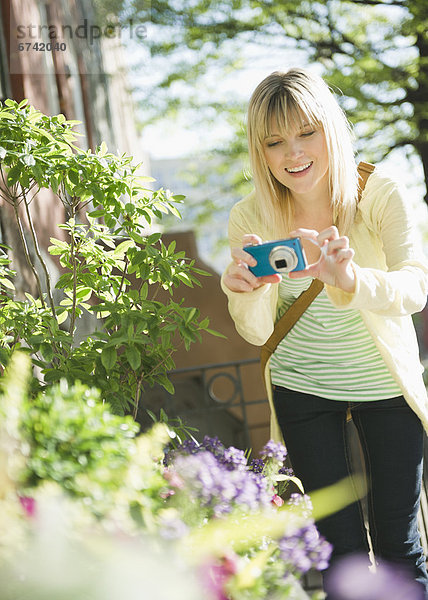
283 259
281 264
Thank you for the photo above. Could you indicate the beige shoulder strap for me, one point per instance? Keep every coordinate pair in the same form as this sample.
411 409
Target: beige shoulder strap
364 172
296 310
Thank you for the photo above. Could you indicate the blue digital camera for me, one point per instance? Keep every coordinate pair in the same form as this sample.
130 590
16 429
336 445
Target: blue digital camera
281 256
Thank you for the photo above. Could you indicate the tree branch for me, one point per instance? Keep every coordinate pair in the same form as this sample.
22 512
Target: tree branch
74 263
27 253
39 254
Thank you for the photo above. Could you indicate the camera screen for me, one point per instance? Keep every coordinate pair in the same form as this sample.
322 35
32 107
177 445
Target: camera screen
281 264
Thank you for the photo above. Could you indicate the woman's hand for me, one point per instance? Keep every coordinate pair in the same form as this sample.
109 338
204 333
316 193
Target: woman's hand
334 266
238 278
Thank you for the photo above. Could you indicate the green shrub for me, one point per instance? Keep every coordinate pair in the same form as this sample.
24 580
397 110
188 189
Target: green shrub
112 265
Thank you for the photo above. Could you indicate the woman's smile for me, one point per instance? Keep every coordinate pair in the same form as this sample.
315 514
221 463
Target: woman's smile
302 170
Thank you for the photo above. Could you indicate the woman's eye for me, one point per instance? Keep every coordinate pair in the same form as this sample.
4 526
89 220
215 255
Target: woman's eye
307 133
272 144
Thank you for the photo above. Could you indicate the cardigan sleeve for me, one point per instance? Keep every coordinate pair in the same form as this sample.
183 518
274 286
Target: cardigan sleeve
252 312
401 288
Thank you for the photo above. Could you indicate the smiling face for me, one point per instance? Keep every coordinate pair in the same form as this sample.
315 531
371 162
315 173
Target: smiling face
298 159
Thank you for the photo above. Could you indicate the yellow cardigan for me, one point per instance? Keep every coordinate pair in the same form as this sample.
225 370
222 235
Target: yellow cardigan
391 285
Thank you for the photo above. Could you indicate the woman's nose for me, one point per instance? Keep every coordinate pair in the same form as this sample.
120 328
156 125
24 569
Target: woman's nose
293 149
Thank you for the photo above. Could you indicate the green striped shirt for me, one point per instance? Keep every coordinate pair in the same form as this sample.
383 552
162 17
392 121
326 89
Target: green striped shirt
329 352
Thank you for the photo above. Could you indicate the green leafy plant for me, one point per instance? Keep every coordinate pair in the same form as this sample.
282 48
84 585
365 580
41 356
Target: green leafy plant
65 427
112 264
76 481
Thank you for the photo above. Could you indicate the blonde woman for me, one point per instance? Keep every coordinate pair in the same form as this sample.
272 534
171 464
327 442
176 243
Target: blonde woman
354 349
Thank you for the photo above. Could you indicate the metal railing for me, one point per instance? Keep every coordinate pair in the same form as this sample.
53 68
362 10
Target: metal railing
221 389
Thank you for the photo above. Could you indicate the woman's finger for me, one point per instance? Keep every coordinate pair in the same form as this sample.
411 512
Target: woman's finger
335 245
251 239
343 255
274 278
238 285
329 234
308 234
239 256
240 273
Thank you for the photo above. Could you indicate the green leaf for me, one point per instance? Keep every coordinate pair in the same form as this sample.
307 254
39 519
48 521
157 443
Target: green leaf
133 357
83 294
109 357
123 247
4 356
144 291
110 221
154 238
30 298
6 283
47 351
53 375
14 174
174 211
166 383
103 149
129 207
74 177
55 181
61 316
97 213
161 207
216 333
151 415
184 278
191 312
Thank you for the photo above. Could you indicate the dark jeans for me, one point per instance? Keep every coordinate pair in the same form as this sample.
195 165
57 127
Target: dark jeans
391 437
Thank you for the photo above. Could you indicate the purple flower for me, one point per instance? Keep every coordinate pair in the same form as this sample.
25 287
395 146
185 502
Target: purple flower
187 447
213 445
214 486
257 465
305 549
274 450
351 579
234 459
286 471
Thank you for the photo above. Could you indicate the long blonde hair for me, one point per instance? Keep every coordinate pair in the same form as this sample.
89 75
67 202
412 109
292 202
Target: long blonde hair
288 98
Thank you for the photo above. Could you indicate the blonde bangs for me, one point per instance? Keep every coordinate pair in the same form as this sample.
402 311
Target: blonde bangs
285 113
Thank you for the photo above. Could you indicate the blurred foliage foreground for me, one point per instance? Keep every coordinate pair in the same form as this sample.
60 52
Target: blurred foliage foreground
89 510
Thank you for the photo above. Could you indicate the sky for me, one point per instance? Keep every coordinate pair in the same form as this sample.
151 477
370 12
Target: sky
176 139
